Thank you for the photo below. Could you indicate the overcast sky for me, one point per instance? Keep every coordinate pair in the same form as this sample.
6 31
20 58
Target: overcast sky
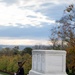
28 22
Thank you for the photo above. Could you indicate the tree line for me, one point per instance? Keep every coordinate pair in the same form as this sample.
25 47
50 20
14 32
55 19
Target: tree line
15 51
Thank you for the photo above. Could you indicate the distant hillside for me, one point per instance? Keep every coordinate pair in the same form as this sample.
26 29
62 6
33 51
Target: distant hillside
21 47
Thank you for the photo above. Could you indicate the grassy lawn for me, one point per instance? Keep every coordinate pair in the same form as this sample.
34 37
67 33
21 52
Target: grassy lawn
3 73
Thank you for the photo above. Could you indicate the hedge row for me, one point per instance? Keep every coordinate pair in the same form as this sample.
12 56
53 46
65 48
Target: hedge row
9 63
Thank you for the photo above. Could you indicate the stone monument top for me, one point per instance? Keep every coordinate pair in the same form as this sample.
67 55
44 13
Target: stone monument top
48 62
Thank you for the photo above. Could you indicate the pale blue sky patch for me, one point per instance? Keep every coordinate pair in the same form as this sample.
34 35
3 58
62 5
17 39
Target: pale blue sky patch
9 2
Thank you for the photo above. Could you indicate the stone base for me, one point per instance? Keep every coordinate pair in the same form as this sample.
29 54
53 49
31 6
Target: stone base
31 72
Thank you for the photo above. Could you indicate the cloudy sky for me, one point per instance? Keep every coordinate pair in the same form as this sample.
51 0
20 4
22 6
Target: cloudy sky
28 22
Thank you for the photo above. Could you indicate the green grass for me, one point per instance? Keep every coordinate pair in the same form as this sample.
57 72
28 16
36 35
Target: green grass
3 73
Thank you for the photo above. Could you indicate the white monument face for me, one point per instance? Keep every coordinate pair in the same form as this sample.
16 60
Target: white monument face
48 62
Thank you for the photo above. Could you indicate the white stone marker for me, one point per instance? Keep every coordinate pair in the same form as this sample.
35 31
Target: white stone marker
48 62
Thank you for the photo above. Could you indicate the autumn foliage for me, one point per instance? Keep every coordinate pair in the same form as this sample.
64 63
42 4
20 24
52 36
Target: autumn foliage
65 31
70 56
67 26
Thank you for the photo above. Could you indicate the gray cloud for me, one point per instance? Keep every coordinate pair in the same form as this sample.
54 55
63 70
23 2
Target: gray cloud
30 12
9 2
